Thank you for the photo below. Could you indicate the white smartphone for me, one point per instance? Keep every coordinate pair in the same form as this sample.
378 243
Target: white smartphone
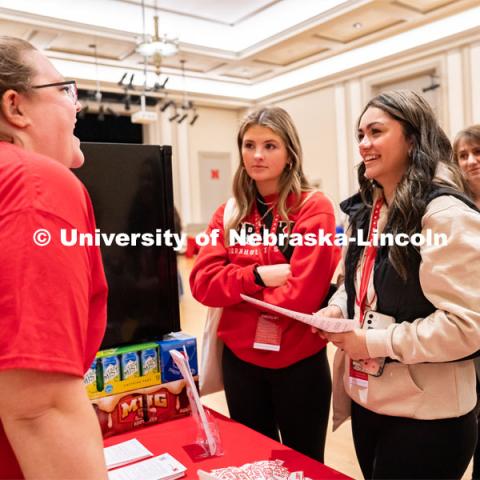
377 320
373 366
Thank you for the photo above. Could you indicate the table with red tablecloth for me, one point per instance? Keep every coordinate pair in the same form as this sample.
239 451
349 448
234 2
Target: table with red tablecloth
240 444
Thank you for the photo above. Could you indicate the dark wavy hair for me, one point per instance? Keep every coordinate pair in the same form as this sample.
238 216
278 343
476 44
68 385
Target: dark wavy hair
430 148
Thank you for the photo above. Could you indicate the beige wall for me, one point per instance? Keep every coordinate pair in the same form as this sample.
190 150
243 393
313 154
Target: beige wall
314 117
215 131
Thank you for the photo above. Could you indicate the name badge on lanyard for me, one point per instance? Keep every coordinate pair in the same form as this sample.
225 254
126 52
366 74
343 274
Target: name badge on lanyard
268 334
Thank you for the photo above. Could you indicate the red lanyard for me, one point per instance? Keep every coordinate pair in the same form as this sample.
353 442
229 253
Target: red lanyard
259 221
369 261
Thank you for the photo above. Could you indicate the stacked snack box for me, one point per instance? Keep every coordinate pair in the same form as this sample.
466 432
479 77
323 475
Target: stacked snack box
128 390
123 369
183 343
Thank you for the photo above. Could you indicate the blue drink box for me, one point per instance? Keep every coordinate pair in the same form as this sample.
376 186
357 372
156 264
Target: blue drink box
176 341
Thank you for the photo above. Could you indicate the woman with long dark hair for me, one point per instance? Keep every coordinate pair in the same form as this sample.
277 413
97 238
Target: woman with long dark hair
400 376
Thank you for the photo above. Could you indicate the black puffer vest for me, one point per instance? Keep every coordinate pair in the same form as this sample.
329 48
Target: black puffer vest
404 301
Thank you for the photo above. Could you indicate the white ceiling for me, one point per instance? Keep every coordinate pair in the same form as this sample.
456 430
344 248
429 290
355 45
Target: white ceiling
236 49
226 12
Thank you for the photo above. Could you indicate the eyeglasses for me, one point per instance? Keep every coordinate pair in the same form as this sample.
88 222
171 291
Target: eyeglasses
70 88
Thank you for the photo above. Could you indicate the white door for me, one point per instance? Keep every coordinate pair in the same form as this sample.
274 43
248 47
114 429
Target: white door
215 182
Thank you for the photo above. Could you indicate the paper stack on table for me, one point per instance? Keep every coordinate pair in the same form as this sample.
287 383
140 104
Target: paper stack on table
323 323
125 453
163 467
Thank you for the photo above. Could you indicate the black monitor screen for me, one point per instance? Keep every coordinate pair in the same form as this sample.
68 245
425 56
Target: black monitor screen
131 191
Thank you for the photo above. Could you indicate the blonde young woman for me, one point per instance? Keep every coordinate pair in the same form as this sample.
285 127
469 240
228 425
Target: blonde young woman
282 387
52 298
415 419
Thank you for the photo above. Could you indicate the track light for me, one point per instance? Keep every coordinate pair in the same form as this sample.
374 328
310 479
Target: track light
182 118
174 117
166 105
130 83
122 79
160 86
194 118
433 84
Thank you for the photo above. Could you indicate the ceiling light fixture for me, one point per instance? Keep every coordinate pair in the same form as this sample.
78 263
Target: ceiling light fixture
156 45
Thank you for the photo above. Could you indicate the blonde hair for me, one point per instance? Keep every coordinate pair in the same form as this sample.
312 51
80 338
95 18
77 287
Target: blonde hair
292 180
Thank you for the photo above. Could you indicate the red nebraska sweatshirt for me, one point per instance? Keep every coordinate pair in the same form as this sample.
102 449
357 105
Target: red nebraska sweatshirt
221 273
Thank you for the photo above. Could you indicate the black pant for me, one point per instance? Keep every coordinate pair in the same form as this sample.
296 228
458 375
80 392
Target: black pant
404 448
476 455
294 400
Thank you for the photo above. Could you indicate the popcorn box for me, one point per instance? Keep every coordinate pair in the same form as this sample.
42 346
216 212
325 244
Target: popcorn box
176 341
122 369
130 410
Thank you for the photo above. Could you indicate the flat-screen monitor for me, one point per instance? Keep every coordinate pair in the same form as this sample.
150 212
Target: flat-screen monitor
131 191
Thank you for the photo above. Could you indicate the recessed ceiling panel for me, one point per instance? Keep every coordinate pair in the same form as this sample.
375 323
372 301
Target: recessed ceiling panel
362 21
80 44
222 11
245 70
292 50
425 5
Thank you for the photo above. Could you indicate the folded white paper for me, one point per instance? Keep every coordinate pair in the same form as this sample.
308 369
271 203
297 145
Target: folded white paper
163 467
125 452
327 324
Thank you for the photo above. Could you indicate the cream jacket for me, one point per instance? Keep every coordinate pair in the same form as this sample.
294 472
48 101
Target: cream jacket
450 280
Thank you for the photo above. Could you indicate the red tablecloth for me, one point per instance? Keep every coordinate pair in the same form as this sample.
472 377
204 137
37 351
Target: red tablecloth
240 444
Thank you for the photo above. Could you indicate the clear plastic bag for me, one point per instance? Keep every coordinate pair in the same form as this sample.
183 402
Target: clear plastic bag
208 435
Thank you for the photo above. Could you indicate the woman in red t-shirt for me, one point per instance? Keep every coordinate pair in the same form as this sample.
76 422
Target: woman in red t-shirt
276 373
52 297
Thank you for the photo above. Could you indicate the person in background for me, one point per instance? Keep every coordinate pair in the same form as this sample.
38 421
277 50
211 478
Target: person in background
416 418
276 373
52 297
466 149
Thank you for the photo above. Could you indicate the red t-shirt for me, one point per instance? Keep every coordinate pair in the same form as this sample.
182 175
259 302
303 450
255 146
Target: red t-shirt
221 274
52 298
